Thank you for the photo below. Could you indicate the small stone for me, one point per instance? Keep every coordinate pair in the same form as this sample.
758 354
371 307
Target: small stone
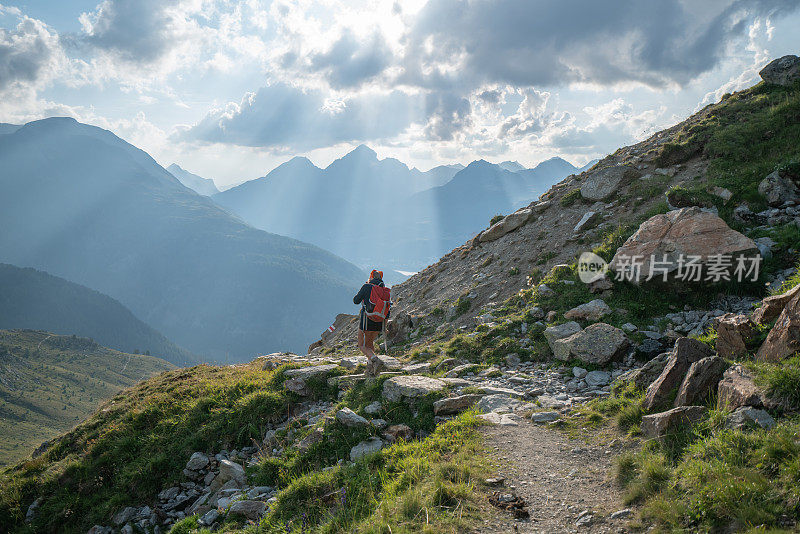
197 462
454 405
749 417
579 372
250 509
597 379
373 408
398 432
350 419
545 417
410 387
369 446
590 311
621 514
659 424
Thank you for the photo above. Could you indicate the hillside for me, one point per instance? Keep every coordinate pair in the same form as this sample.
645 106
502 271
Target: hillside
516 396
91 208
31 299
421 214
200 185
48 383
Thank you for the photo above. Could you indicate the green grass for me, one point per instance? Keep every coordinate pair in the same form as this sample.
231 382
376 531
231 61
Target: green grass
50 383
571 197
780 380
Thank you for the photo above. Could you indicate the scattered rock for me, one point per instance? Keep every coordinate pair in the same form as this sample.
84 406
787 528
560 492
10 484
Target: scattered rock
309 372
124 515
312 438
590 311
700 381
509 223
373 408
733 333
229 471
370 446
586 221
784 338
197 462
778 189
687 232
410 387
749 417
597 379
686 352
597 344
511 503
621 514
646 375
398 432
351 362
545 417
454 405
560 331
512 359
782 71
602 183
603 283
250 509
459 370
33 510
499 404
737 388
771 307
208 519
349 418
579 372
660 424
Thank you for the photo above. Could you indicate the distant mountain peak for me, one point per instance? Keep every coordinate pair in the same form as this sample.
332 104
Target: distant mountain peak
512 166
362 151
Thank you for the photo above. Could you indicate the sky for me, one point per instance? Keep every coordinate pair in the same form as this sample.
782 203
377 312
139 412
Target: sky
229 90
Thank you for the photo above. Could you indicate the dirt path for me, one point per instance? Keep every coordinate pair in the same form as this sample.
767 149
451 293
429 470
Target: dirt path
559 478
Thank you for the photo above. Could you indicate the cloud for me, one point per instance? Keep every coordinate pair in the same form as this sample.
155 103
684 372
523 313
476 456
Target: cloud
349 63
281 116
138 31
542 43
30 54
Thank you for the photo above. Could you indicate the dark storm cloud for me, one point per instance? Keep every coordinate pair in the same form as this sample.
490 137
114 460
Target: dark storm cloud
284 116
349 63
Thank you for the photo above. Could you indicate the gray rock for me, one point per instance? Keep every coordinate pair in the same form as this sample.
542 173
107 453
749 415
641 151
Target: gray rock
545 417
459 370
579 372
597 344
602 183
544 291
700 381
597 379
124 515
645 375
349 418
738 388
659 424
509 223
33 510
629 328
499 404
373 408
782 71
749 417
228 471
351 362
590 311
588 219
453 405
410 387
621 514
513 359
197 462
686 352
127 529
560 331
250 509
370 446
778 189
209 517
309 372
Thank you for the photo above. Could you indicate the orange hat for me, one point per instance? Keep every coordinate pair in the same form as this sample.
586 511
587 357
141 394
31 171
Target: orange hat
376 274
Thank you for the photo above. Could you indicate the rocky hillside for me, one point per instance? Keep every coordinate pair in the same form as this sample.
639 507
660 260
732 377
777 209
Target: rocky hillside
691 387
48 383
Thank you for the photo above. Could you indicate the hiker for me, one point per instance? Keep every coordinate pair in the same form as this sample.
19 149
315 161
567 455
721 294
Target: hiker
374 299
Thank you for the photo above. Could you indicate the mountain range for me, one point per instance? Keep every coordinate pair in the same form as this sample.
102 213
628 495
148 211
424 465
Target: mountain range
31 299
203 186
86 206
381 212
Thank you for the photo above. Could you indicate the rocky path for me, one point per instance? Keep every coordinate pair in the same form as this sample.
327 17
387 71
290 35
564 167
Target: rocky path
567 484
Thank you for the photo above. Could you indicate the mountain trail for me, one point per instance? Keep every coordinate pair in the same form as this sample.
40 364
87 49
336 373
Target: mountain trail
566 483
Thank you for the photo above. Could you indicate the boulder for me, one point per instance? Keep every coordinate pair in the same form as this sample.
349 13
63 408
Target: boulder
684 354
749 417
370 446
778 189
399 326
124 515
771 307
350 419
684 232
603 283
784 338
701 380
351 362
296 385
507 224
229 471
250 509
454 405
586 221
660 424
560 331
310 372
782 71
733 333
643 376
545 417
410 387
398 432
597 344
499 403
602 183
373 408
312 438
197 462
590 311
597 379
458 370
737 388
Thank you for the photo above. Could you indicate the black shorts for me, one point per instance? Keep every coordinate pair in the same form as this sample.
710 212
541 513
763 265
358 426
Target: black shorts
367 324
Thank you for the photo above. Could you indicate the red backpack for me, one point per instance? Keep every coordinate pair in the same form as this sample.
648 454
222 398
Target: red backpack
378 306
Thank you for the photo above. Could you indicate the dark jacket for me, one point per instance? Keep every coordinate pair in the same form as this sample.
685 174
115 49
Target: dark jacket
362 297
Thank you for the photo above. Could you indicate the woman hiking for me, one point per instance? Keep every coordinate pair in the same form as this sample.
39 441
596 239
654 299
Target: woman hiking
374 299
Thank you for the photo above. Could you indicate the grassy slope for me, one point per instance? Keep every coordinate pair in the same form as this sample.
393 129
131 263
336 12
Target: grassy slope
49 383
